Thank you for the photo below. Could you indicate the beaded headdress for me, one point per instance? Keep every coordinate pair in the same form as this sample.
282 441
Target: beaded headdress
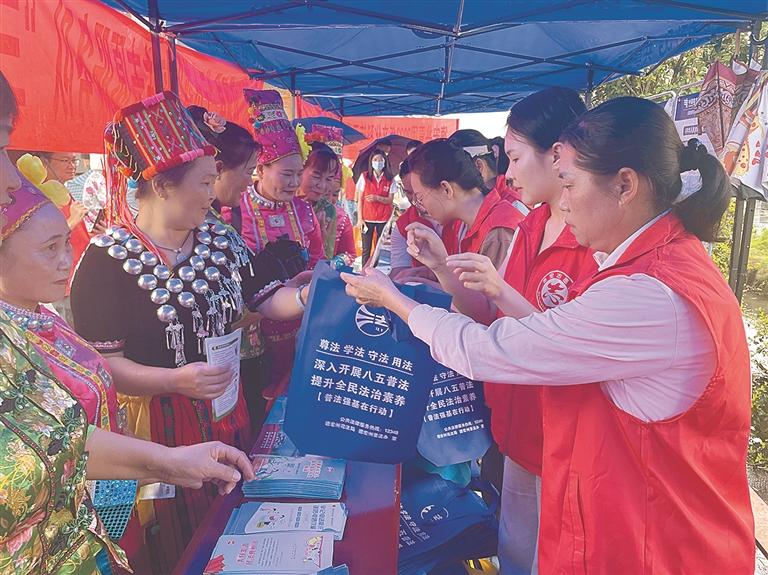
24 202
272 128
331 136
145 139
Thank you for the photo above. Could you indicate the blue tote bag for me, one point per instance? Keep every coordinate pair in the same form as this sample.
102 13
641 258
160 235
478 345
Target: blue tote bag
361 380
456 423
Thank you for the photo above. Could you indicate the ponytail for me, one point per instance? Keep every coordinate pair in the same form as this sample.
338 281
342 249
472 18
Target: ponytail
631 132
702 211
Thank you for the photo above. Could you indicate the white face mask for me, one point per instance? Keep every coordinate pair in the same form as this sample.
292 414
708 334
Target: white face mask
378 165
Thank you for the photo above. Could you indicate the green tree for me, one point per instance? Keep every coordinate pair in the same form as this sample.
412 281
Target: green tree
679 71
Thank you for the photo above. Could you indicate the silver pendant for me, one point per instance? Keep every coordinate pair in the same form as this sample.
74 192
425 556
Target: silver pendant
117 252
103 241
200 286
134 246
187 273
174 338
148 259
203 227
212 274
174 285
219 229
197 262
276 221
162 272
133 266
203 251
160 296
204 238
220 243
121 235
166 313
111 230
186 299
218 258
198 327
147 281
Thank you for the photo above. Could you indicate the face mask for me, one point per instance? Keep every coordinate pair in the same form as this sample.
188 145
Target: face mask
378 165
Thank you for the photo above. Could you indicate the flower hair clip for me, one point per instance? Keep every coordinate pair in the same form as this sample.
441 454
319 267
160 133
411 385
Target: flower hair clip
215 123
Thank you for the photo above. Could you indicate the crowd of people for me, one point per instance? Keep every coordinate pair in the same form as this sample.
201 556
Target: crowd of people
612 351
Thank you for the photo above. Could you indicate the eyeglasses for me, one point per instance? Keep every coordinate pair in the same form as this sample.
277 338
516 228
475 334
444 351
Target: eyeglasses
73 161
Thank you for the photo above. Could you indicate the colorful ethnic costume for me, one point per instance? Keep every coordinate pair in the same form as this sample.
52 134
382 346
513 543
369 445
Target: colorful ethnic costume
334 222
47 521
266 222
127 299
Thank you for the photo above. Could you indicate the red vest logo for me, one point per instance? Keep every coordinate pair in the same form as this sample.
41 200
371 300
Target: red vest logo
553 289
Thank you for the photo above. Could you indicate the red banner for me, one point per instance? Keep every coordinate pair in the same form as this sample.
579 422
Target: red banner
422 129
73 64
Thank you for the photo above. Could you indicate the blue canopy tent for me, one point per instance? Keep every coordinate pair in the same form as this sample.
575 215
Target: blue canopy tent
405 57
400 57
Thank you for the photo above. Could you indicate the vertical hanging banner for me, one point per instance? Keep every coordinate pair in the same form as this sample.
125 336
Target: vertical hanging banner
360 381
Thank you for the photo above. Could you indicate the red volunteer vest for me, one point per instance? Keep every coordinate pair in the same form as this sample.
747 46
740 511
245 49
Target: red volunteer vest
406 219
494 213
376 211
506 191
544 279
79 239
624 496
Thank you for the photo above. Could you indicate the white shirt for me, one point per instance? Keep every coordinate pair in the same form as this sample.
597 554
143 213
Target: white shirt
398 246
647 345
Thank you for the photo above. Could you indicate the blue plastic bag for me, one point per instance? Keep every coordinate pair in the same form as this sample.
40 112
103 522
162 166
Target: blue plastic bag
360 380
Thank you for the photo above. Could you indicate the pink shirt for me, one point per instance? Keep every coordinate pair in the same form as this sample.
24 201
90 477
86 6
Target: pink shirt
647 345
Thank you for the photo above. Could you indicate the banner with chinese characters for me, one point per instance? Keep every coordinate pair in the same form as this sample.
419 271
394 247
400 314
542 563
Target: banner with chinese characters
360 383
72 65
422 129
456 425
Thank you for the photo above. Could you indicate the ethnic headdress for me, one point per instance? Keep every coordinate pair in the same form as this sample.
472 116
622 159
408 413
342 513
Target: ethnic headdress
272 128
329 135
24 203
145 139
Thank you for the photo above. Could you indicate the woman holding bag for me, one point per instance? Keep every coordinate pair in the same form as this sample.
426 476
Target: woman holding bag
646 426
544 262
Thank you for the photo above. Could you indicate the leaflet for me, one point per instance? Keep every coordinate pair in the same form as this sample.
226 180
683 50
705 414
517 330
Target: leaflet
225 350
260 517
274 553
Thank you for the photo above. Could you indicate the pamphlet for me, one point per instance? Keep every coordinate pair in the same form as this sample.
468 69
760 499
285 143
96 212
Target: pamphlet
298 552
260 517
225 350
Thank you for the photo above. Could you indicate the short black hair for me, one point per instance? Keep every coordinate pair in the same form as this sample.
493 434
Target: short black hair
9 105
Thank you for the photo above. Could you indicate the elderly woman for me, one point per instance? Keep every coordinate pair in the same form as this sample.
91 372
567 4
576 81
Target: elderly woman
54 393
645 370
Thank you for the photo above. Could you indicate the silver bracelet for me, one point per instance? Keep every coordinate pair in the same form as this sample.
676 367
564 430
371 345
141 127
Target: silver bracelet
299 302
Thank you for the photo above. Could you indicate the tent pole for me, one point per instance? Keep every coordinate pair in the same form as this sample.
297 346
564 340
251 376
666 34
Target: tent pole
173 64
590 85
293 95
157 62
746 240
738 223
